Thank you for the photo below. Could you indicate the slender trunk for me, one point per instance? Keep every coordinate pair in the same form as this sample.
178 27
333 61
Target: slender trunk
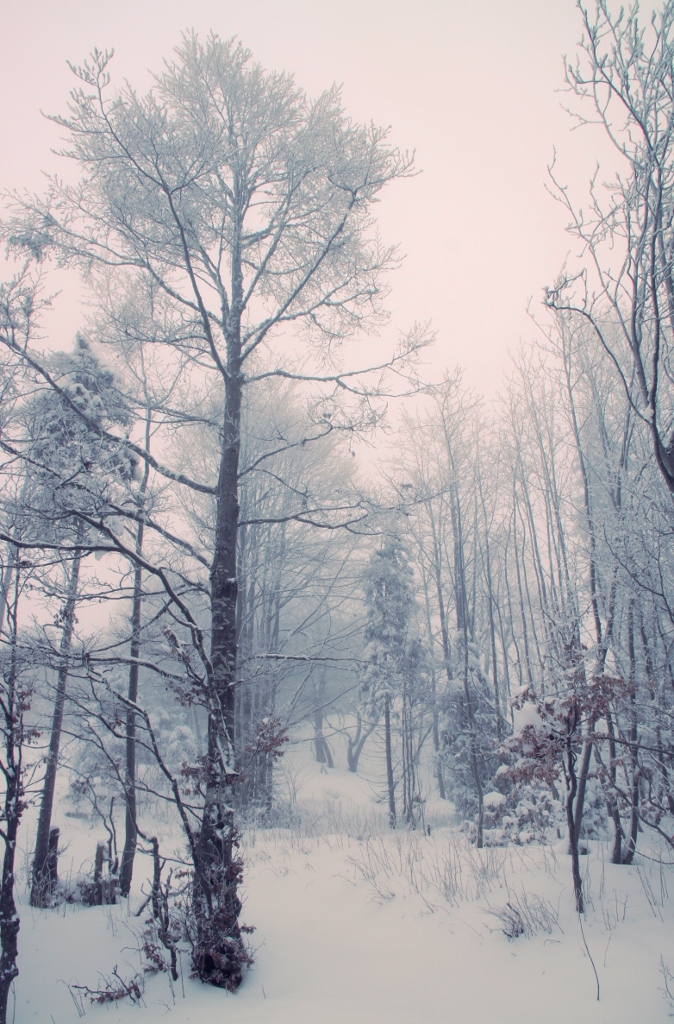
611 802
628 856
586 755
571 787
13 808
408 760
436 738
389 764
445 651
462 625
194 714
492 634
131 833
355 745
9 919
532 617
319 742
4 587
583 772
506 671
41 891
525 636
321 748
473 750
131 824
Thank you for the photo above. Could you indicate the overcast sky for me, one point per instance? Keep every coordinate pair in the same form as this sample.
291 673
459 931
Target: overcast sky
472 86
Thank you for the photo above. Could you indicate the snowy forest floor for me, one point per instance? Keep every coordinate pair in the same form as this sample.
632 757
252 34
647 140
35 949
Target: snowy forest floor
357 923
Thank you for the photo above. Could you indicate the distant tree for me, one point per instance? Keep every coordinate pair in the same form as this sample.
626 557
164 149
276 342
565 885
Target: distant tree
389 603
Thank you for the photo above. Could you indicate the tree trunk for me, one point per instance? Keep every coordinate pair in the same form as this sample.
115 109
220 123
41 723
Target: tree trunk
436 739
611 803
4 587
444 635
41 891
53 858
628 855
497 697
220 955
355 746
323 752
475 766
631 849
571 788
9 919
525 634
131 824
584 769
408 761
13 809
389 764
462 626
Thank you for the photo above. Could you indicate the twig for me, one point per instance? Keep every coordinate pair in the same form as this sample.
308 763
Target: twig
580 921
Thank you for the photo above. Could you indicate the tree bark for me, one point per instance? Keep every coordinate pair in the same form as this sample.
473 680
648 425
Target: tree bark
131 823
4 588
9 919
13 808
220 955
628 855
131 826
583 772
571 788
41 891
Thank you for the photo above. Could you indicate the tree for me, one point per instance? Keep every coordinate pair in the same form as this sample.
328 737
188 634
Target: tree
248 208
18 661
16 684
625 74
63 459
454 517
389 609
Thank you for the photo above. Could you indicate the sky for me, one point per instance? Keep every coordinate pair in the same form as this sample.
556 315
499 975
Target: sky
473 87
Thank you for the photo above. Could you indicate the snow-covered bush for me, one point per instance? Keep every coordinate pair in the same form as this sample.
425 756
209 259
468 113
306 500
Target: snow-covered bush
529 813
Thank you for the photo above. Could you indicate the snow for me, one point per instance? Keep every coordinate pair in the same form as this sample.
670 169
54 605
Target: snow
525 716
356 923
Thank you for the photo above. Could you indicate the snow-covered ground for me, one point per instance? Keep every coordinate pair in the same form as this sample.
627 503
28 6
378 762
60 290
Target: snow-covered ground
354 923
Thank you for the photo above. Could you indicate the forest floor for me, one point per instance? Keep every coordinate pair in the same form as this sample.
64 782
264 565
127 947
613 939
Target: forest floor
355 923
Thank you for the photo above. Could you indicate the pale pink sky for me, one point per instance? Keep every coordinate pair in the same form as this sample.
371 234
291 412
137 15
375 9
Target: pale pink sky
470 85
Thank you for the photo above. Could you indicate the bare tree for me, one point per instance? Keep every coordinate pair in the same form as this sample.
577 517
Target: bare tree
247 206
624 74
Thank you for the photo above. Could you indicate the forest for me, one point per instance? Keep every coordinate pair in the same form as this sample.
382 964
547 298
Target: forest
277 603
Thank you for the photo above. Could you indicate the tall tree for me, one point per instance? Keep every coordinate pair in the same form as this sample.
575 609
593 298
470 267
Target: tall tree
63 459
248 206
623 76
389 608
